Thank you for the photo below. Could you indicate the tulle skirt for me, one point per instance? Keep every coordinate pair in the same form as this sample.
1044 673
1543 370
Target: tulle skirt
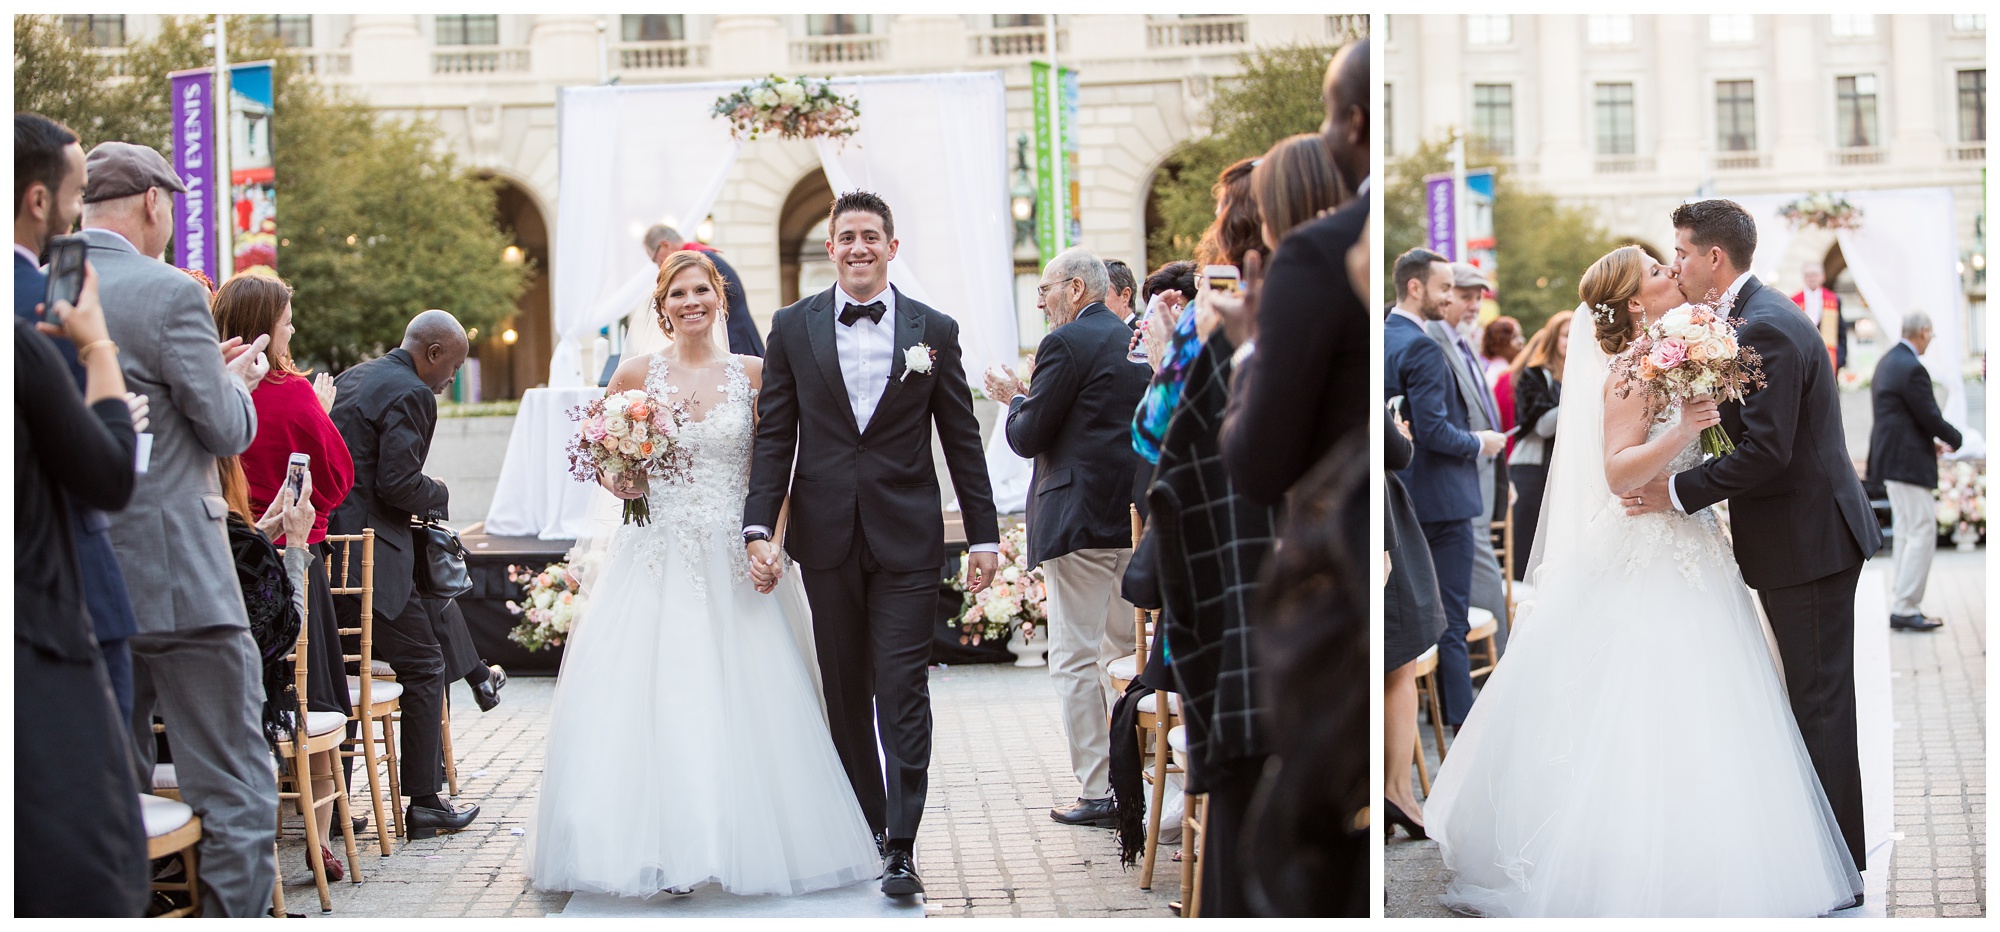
1634 754
687 741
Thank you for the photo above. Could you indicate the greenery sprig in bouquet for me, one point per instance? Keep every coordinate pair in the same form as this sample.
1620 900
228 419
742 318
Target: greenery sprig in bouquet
798 108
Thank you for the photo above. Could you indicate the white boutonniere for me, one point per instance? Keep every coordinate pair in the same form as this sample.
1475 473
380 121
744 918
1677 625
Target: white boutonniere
918 359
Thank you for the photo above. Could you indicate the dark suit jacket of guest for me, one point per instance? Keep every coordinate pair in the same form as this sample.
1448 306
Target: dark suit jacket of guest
1076 422
1306 386
103 584
1795 503
1906 421
878 484
743 337
387 415
1443 475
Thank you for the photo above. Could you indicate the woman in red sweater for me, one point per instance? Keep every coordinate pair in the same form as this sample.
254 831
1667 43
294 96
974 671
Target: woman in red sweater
292 418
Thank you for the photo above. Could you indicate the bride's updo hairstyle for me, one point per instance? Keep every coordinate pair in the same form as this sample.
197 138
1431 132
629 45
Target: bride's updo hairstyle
676 264
1608 288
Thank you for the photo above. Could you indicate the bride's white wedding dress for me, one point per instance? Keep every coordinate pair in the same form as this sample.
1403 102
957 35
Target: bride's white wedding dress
687 743
1634 753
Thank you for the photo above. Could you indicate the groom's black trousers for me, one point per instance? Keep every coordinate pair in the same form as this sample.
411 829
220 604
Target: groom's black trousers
872 630
1814 626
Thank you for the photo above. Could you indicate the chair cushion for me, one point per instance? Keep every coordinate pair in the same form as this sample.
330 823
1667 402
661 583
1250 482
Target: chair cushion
1124 668
164 777
319 723
381 668
1483 623
383 690
1150 703
1177 738
163 815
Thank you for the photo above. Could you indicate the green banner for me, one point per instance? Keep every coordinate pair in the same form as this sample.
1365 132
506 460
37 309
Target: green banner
1046 149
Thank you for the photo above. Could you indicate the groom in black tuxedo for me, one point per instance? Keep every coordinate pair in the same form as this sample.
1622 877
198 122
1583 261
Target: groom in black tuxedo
1801 522
854 377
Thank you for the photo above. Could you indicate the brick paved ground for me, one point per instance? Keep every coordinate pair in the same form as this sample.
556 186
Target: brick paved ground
987 848
1938 685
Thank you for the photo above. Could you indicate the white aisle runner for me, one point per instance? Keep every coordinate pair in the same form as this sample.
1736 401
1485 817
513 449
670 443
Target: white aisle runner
1875 726
855 901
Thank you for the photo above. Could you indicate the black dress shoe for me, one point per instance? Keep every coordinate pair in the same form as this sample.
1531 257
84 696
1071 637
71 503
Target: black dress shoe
900 878
361 823
1395 816
881 845
1098 812
1914 622
425 822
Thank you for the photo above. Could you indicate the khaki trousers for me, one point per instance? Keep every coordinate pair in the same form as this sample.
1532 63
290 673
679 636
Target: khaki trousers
1913 515
1090 625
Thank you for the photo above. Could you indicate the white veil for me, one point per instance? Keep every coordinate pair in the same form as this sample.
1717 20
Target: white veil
1577 491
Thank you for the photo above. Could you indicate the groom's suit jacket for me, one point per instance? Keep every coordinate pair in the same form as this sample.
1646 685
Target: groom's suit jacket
1796 507
883 478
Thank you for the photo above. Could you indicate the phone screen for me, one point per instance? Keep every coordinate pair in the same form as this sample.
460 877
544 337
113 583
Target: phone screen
295 479
65 271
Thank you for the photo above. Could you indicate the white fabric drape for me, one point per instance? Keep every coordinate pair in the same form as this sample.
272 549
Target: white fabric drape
1903 258
935 147
631 157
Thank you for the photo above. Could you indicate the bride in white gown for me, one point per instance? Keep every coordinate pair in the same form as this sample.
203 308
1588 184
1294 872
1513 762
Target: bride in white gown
1634 753
687 742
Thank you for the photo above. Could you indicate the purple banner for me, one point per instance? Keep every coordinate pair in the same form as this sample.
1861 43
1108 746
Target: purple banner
1439 215
194 137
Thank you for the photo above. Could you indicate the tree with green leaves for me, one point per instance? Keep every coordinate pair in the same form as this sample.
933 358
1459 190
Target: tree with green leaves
378 222
1541 245
1277 95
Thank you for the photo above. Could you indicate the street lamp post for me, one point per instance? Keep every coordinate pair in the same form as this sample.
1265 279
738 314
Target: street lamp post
1022 195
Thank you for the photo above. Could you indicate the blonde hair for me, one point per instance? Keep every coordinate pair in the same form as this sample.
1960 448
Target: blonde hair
676 264
1546 348
1608 288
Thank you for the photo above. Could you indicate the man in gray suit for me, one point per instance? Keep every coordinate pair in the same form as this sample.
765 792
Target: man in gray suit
193 661
1488 591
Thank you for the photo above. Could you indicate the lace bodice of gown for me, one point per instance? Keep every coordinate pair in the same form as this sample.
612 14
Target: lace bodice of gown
1692 539
703 508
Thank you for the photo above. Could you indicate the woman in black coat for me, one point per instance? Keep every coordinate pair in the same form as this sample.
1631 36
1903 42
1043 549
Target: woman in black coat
1537 402
77 830
1412 620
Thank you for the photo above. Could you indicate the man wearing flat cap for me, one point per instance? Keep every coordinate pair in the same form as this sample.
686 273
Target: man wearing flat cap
1469 286
193 661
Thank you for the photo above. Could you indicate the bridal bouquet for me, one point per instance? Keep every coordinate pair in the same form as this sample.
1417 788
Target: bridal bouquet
1018 598
552 599
1688 353
629 434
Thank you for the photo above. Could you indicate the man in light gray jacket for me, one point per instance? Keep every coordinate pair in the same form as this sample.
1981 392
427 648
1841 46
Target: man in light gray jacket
194 663
1488 591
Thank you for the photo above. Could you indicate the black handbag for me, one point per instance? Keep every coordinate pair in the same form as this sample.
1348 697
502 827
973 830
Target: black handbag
441 572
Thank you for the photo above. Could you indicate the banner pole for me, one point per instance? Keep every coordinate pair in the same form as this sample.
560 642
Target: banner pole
224 191
1056 151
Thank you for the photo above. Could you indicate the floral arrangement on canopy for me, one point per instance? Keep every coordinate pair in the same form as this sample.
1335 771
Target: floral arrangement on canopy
1961 500
1822 210
548 606
1017 599
799 108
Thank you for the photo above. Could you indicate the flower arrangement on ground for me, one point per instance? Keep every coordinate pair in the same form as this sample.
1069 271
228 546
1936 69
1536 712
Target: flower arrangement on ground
799 108
1018 598
1961 498
549 605
1688 353
628 434
1823 210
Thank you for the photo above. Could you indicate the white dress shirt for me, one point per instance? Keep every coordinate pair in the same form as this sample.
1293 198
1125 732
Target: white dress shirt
1815 304
867 352
1673 490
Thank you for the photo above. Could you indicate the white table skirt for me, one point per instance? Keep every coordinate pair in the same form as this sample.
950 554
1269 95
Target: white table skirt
536 496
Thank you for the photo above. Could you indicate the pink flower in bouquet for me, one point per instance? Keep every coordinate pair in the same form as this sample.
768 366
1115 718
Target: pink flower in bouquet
593 429
1668 353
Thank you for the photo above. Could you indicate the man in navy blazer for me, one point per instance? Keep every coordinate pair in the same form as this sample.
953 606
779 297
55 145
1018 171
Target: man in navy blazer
1902 458
1443 475
38 216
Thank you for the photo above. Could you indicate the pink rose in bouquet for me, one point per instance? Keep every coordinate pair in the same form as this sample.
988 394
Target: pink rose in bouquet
1691 352
628 435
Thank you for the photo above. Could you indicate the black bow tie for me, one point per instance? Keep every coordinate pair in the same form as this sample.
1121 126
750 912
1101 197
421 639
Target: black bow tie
854 312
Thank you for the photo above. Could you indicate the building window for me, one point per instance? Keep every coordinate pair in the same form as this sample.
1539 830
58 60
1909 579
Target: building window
1610 29
1854 121
295 30
1388 119
1736 116
96 30
1615 120
1493 116
1853 25
468 29
1968 22
652 27
1732 27
1488 29
1972 106
1019 20
836 24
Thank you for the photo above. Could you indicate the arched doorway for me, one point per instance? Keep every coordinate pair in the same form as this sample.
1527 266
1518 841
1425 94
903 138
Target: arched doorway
803 267
515 357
